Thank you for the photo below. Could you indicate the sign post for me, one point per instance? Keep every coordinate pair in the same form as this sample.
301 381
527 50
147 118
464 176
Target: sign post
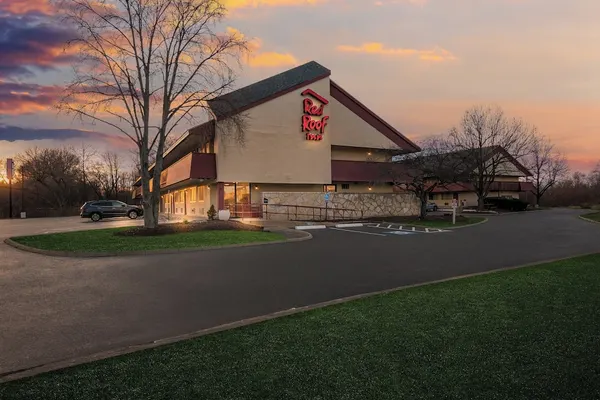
327 198
9 173
454 205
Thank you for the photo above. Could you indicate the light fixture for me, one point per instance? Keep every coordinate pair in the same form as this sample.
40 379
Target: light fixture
369 153
255 187
370 188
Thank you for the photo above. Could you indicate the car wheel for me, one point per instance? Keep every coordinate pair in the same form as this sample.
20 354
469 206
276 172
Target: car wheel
132 214
95 217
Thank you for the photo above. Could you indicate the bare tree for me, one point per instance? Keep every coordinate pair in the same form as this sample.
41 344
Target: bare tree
86 154
489 143
422 172
53 174
546 165
145 67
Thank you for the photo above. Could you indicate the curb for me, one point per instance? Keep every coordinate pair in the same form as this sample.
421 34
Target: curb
52 366
307 227
356 225
71 254
588 220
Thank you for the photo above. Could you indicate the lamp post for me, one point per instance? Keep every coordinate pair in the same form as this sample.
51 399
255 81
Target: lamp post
9 173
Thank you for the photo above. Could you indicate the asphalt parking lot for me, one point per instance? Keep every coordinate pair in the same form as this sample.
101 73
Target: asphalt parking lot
60 308
384 229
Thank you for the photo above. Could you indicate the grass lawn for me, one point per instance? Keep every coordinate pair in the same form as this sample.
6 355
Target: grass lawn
595 216
524 334
104 240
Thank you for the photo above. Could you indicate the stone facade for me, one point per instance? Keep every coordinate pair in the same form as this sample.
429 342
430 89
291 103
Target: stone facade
310 206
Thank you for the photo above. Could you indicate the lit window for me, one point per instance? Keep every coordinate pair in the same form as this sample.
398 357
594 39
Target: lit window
193 194
330 188
201 193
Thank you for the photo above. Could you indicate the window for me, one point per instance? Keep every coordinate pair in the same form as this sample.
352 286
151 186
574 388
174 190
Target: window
200 193
330 188
345 186
103 204
446 196
118 204
177 197
193 192
431 196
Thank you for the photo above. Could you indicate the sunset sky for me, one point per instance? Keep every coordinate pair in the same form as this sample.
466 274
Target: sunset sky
417 63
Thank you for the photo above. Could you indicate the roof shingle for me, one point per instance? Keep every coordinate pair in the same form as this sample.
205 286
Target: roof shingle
251 95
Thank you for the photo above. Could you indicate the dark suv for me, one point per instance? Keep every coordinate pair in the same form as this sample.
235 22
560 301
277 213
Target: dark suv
96 210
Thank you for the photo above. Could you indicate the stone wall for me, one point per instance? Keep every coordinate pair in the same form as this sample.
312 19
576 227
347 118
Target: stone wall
282 205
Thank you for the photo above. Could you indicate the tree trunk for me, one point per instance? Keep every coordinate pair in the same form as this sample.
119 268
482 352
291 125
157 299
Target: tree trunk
480 203
150 213
538 196
423 209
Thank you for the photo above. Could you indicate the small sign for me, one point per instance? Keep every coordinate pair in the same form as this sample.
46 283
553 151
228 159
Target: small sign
265 200
9 168
327 196
454 203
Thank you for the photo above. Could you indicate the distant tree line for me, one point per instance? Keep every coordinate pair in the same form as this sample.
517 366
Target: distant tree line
57 181
578 189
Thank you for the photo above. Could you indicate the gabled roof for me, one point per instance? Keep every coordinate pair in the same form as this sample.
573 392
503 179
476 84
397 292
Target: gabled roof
260 92
491 151
358 108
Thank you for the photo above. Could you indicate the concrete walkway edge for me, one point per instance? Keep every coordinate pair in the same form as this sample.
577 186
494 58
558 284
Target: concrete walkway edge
19 374
588 220
72 254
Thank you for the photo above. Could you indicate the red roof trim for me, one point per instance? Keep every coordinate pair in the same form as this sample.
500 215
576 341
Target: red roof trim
371 118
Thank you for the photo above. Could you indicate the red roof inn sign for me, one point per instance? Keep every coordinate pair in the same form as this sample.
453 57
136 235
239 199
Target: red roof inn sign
313 120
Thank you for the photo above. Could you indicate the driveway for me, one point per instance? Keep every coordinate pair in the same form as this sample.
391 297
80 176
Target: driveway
57 308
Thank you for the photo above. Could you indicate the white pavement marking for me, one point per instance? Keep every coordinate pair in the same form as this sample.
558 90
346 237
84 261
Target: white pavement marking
389 226
349 225
307 227
366 233
400 233
413 228
400 227
378 225
427 230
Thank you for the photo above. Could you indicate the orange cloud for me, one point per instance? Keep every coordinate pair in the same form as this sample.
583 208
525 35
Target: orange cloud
237 4
437 54
264 59
25 6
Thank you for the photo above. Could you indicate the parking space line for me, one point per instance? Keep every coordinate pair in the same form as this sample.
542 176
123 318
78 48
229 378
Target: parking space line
389 226
366 233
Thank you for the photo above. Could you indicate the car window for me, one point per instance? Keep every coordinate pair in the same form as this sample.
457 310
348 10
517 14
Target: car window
103 204
118 204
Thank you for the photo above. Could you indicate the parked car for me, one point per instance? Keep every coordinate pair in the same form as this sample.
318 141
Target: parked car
431 207
99 209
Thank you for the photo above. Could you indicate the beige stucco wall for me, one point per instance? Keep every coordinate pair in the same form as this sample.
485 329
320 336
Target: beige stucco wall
276 149
351 130
358 154
363 205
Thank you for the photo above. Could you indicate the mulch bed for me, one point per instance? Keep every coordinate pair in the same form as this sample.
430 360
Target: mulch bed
168 229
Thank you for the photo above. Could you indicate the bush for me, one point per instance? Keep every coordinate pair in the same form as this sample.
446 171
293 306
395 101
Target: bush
212 213
596 207
506 203
586 206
